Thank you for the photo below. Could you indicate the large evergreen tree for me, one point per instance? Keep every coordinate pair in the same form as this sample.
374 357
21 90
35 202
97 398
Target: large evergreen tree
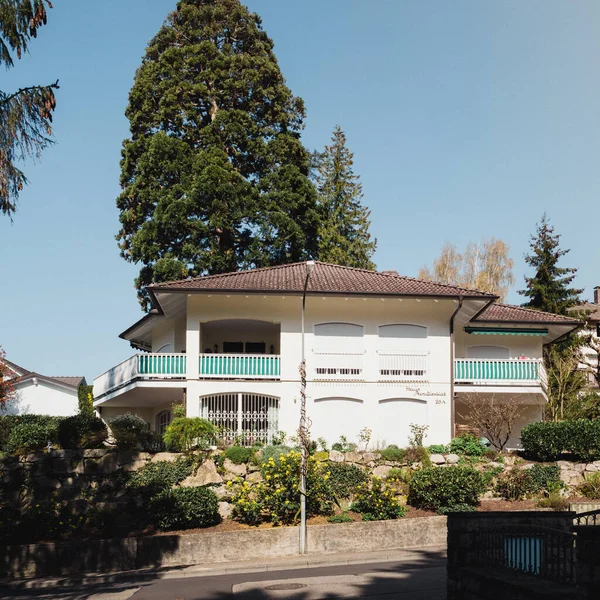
214 176
549 289
25 114
344 237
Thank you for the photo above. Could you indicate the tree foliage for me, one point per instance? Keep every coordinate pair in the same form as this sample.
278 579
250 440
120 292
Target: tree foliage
550 289
6 387
484 266
344 237
214 176
26 114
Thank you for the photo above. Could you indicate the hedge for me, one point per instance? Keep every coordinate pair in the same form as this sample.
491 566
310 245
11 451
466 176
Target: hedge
27 433
549 441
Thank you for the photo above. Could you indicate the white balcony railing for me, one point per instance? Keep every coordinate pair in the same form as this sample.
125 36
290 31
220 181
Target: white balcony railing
403 367
140 366
513 371
337 366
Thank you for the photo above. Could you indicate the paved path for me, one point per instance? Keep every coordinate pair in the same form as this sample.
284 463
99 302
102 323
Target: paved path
407 575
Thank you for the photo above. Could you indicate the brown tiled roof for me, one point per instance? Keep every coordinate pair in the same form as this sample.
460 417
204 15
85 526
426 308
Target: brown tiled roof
518 314
73 381
325 279
594 310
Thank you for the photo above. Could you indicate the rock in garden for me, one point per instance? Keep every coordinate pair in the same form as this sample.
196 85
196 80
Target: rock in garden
452 459
382 470
353 457
225 510
371 456
206 473
255 477
95 452
239 470
168 456
437 459
336 456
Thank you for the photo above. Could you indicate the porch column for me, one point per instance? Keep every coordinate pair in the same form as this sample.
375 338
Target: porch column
192 351
240 421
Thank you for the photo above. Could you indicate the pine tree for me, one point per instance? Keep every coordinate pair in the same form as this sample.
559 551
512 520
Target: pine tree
214 176
344 237
25 115
550 290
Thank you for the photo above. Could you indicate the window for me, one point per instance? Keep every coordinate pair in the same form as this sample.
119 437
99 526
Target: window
403 352
255 348
339 330
233 347
163 420
401 331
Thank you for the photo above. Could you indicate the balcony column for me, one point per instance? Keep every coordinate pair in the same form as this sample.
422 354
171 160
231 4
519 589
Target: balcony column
192 345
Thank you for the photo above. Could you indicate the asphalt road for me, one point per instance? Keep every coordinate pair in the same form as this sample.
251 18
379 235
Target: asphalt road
422 577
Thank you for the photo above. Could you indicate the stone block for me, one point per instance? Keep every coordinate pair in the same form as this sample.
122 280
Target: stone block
353 457
206 473
255 477
61 465
336 456
225 510
591 468
166 456
452 459
237 470
96 452
223 492
382 470
438 459
371 456
31 458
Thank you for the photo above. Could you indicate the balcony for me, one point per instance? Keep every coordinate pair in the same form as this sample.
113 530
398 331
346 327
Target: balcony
483 371
239 366
141 367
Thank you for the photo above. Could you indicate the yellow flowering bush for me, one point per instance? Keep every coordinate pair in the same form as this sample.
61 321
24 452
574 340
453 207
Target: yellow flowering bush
277 497
377 501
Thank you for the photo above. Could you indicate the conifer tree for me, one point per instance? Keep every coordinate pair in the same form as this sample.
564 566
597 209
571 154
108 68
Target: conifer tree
549 289
214 175
344 237
25 114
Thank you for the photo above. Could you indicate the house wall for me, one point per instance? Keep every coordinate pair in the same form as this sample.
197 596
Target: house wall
148 414
518 345
43 398
169 333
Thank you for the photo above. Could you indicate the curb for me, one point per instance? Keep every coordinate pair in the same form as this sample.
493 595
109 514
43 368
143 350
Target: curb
186 571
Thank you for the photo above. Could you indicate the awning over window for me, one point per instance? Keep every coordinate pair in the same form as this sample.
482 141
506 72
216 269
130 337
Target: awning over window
505 331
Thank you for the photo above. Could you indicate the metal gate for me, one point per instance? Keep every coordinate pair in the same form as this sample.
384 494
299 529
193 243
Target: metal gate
242 418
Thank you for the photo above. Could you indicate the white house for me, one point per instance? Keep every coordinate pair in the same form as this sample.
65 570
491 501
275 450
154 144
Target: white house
40 394
382 351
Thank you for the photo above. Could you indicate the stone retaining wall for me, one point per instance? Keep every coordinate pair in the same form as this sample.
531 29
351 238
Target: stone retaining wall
76 558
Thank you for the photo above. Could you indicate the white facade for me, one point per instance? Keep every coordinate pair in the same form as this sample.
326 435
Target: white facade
381 362
43 397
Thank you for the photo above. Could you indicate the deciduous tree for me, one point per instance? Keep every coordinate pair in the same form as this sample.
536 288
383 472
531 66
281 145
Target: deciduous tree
483 266
214 175
25 114
6 386
344 237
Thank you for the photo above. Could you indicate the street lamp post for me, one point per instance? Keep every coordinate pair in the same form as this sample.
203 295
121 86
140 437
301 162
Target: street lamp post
303 434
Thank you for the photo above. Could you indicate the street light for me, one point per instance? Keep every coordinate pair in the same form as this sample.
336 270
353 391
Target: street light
302 432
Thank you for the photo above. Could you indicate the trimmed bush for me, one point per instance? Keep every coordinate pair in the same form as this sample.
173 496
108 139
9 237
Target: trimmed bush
157 476
435 487
345 478
444 510
467 444
548 441
30 437
393 454
9 422
82 431
185 434
130 431
185 508
376 501
239 454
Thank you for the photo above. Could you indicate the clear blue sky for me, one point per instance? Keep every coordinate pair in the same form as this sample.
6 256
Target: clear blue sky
467 119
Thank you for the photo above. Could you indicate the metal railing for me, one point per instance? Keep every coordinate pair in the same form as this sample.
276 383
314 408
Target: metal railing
539 551
240 366
403 367
503 371
587 519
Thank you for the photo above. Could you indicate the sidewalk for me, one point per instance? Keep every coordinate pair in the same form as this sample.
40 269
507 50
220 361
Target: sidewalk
298 562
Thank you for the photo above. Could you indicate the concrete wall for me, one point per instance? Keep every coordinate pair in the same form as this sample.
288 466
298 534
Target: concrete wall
203 548
518 345
37 396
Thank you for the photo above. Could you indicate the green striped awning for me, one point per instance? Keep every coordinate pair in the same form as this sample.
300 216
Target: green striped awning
504 331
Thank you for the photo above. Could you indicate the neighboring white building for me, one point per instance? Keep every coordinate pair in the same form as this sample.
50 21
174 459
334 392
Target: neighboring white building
382 351
589 359
42 395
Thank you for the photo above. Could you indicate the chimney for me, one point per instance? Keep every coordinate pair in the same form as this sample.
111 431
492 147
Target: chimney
597 294
395 273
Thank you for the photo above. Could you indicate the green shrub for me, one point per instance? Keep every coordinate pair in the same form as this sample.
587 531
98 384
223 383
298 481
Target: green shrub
590 488
402 475
583 438
343 518
178 410
345 478
518 484
392 454
130 431
185 434
277 497
343 445
434 487
444 510
468 445
30 437
490 474
184 508
555 501
85 400
273 452
376 501
545 478
417 454
514 484
438 449
239 454
9 422
82 431
157 476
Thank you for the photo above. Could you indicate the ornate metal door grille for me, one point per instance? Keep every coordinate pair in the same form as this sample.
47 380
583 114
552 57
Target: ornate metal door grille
242 418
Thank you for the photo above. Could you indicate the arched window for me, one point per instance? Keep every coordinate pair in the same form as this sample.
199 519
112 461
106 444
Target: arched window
338 350
402 331
163 420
